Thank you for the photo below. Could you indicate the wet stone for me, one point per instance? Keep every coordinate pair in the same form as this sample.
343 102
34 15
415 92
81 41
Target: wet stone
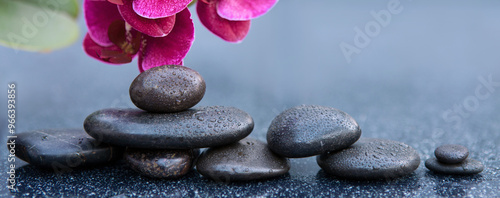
61 149
248 159
310 130
371 159
194 128
169 88
165 164
467 167
451 153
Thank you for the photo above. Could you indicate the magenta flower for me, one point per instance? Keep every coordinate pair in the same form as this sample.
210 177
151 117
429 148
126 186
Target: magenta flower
160 32
230 19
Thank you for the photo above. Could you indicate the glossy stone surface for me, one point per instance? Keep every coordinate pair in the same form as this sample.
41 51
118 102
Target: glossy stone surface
248 159
371 158
451 153
61 149
169 88
309 130
194 128
167 164
467 167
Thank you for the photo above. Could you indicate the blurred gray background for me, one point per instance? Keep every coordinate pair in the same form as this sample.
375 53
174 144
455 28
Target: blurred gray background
414 82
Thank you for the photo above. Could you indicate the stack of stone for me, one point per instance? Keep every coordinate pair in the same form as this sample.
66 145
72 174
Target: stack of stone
333 135
452 159
163 138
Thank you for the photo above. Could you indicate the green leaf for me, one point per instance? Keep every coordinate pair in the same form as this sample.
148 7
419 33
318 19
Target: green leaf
69 7
32 27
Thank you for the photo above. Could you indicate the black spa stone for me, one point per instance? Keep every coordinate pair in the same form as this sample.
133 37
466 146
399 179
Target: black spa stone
310 130
248 159
451 153
164 164
62 149
193 128
169 88
467 167
371 158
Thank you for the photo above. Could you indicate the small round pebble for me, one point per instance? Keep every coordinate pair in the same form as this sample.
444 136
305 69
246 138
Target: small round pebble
248 159
451 153
467 167
194 128
169 88
165 164
310 130
371 158
62 149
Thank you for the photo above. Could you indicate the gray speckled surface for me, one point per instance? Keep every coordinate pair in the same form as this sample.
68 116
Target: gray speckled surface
426 63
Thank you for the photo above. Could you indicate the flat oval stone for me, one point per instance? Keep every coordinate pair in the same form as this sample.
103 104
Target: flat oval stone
167 164
169 88
310 130
248 159
451 153
194 128
61 149
467 167
371 159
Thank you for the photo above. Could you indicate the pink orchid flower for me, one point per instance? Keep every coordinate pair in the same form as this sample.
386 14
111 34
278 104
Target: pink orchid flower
160 32
230 19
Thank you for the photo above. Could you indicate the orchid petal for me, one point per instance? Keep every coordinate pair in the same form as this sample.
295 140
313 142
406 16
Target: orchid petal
171 49
153 9
240 10
152 27
99 15
231 31
117 2
110 55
